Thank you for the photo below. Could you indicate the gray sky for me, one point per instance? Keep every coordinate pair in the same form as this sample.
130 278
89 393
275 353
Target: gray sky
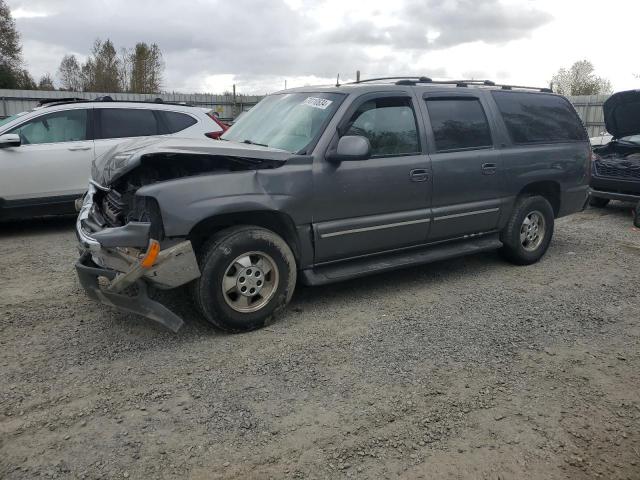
209 45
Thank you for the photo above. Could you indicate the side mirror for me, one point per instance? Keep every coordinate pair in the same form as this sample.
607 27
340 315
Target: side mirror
10 140
351 147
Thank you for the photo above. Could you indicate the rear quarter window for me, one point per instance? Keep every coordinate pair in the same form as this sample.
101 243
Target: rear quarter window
539 118
176 122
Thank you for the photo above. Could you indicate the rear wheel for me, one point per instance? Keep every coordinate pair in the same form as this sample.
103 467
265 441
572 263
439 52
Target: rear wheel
529 230
598 202
248 275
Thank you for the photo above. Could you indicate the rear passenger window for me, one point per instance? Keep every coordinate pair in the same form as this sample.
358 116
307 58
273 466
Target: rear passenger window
127 122
458 123
538 118
389 124
176 122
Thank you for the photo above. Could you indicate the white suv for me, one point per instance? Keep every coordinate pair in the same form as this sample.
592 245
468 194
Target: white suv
46 153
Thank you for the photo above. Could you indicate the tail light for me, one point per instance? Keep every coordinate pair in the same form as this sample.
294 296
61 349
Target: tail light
222 125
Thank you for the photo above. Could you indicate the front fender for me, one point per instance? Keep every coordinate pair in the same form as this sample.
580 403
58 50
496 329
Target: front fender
185 202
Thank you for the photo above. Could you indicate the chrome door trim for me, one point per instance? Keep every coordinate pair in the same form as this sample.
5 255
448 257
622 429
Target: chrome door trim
465 214
375 227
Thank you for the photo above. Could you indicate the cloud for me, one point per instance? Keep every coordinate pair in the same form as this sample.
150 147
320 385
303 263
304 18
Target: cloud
276 39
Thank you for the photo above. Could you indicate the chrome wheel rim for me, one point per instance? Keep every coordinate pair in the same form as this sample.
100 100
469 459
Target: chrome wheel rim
532 231
250 281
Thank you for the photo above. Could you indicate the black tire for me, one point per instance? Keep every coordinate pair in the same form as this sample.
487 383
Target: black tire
217 256
598 202
513 248
636 216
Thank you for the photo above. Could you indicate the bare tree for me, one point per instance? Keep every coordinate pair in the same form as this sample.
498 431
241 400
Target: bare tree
70 74
580 79
46 82
125 69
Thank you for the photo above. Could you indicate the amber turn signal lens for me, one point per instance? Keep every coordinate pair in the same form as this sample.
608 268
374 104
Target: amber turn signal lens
152 254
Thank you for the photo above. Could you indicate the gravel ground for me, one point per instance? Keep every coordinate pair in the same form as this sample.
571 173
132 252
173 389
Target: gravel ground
471 368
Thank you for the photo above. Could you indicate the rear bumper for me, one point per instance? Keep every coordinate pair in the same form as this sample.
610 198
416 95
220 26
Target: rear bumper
139 302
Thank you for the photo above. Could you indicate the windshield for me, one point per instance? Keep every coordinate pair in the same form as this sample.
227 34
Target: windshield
4 121
287 121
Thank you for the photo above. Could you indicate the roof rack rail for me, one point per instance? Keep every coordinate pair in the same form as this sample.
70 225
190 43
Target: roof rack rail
459 83
106 98
47 101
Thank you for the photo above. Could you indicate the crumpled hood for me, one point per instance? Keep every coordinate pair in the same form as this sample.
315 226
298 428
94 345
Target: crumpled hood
126 156
622 113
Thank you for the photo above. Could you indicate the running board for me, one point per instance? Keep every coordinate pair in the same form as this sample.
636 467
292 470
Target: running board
382 263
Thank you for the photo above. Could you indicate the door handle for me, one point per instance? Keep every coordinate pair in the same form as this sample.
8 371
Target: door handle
489 168
77 149
418 175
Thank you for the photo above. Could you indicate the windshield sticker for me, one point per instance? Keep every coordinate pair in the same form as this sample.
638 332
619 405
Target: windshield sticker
321 103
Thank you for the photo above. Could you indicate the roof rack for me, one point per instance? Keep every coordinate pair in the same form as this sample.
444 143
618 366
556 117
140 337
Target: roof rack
48 101
105 98
457 83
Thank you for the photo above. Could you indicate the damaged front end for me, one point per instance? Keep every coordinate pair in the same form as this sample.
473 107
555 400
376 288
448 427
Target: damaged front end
117 263
122 241
615 173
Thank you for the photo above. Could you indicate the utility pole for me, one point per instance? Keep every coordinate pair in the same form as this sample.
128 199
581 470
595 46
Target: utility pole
357 75
235 108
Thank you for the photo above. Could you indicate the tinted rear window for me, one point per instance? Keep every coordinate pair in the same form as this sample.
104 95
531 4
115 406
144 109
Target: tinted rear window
458 123
539 118
127 122
176 122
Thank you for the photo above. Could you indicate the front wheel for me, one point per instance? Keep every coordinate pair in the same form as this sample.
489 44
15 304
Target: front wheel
529 230
248 275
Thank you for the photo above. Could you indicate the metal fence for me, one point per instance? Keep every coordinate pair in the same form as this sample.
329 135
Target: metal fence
228 107
589 107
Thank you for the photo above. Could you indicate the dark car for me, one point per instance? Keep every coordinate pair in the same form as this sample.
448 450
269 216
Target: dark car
324 184
615 173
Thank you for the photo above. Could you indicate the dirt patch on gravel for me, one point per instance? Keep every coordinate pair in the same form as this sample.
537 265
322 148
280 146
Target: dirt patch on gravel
471 368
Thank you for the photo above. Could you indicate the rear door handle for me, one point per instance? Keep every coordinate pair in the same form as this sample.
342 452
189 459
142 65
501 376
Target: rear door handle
489 168
77 149
418 175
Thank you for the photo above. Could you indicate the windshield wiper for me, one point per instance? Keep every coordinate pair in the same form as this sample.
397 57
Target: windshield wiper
251 142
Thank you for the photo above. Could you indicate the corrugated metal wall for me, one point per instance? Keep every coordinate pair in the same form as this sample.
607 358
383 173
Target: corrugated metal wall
227 106
589 107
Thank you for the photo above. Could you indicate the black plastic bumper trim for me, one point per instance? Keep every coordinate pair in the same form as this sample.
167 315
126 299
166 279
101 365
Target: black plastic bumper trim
140 304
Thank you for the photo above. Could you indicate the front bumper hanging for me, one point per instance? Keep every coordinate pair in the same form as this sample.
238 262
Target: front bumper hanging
139 302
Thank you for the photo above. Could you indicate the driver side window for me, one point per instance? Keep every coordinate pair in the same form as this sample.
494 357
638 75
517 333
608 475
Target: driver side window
389 124
66 126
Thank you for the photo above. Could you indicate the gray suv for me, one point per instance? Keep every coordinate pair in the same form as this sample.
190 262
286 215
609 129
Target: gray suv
324 184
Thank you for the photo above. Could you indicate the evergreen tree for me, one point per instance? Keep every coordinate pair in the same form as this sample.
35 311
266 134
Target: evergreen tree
146 68
11 74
